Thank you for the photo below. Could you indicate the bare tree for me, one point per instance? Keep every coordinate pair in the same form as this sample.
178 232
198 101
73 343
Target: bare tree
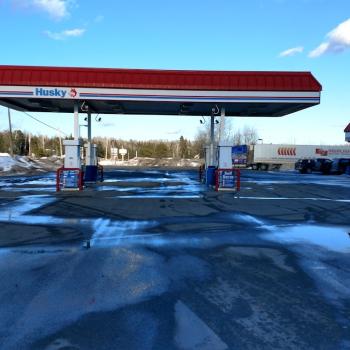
200 141
237 137
250 135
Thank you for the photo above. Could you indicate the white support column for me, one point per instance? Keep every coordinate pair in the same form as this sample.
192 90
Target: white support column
89 155
89 126
211 147
76 121
222 124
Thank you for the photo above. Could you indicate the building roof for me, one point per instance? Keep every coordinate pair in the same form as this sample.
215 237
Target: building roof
347 129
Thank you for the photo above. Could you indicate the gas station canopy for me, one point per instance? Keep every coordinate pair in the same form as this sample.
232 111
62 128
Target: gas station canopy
157 92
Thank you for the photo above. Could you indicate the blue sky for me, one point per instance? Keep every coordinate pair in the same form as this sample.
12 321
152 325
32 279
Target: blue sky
291 35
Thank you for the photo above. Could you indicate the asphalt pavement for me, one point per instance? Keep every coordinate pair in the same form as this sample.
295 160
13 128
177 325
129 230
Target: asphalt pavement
152 259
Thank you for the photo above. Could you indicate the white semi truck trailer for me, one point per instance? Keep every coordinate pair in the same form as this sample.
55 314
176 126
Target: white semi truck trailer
269 156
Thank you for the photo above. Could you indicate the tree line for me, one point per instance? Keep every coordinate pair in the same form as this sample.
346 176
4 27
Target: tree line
24 143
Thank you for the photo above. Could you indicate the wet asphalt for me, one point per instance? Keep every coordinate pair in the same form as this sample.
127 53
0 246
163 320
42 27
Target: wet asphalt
173 264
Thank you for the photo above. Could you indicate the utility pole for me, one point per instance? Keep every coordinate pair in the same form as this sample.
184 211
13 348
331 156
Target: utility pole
10 128
60 138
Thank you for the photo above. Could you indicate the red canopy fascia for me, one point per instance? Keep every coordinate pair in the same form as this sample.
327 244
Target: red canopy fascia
158 79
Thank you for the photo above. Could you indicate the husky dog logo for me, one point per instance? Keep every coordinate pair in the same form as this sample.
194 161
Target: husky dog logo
73 93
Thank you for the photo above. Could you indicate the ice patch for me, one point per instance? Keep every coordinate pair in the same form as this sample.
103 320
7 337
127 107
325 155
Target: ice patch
278 258
331 238
24 205
297 198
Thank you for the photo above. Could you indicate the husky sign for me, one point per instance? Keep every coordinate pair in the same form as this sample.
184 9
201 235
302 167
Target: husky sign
55 92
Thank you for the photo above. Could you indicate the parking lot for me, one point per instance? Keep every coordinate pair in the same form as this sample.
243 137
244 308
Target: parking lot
175 265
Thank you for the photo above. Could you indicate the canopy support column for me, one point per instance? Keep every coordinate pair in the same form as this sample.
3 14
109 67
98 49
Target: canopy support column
222 125
212 123
91 168
89 156
89 126
76 121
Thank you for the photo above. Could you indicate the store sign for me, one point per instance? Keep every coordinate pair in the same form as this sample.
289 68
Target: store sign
50 92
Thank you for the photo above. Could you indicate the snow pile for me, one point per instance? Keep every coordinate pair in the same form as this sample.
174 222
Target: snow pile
22 164
16 163
154 162
6 162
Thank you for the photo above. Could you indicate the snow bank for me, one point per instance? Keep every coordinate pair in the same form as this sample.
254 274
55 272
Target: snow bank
6 162
23 164
154 162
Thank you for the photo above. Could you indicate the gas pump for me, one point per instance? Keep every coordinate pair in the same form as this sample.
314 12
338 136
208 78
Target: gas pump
221 173
70 176
91 166
72 153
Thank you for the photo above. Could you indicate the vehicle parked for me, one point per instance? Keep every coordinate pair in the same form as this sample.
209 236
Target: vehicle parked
325 166
307 166
339 165
274 156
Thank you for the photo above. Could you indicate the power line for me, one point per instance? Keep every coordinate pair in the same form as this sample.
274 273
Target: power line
49 126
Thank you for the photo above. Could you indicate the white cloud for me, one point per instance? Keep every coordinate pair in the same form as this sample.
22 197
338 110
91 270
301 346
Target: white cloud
56 9
69 33
99 19
338 40
292 51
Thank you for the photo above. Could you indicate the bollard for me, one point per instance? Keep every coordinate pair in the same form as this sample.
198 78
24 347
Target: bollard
87 244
